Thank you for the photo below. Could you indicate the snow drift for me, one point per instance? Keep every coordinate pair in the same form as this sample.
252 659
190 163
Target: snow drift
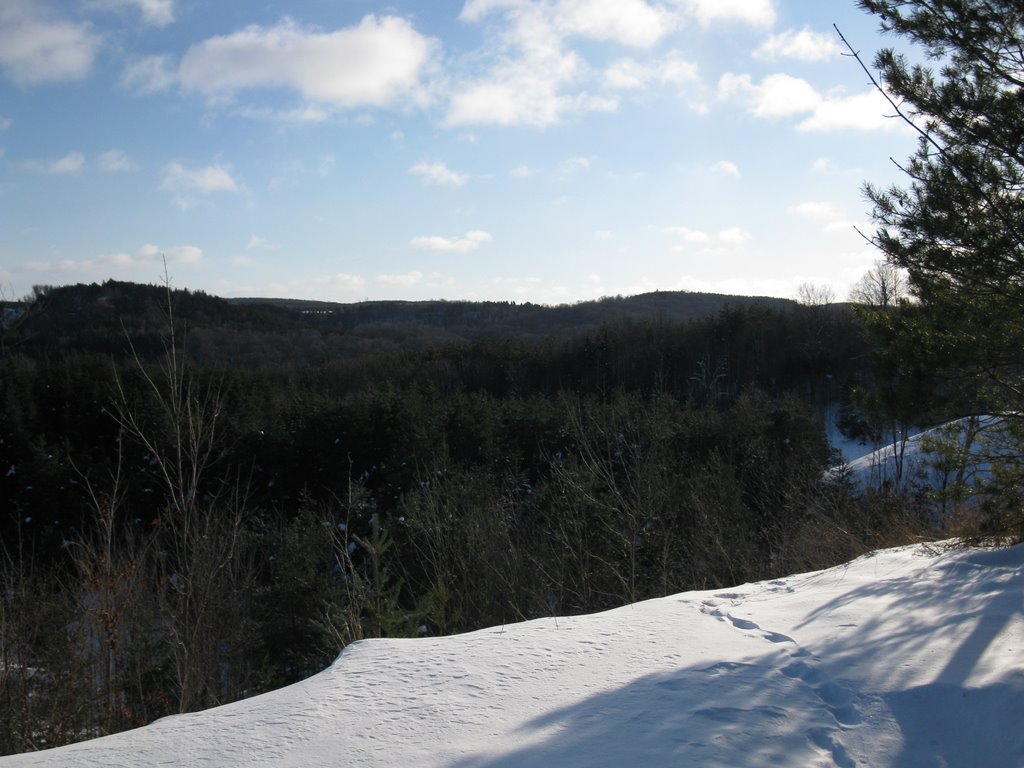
911 656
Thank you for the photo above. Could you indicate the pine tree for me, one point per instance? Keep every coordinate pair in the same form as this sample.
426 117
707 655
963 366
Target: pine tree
957 227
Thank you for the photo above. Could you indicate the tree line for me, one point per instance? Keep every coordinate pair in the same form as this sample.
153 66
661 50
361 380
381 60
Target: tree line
180 532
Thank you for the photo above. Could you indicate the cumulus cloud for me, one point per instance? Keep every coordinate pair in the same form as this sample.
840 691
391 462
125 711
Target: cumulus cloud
534 77
731 236
726 168
152 255
734 236
527 91
185 183
823 165
310 113
159 13
781 95
758 13
376 63
115 161
260 243
576 165
464 244
804 45
867 111
71 164
777 95
439 174
816 210
37 47
149 74
688 235
629 74
635 23
148 255
629 22
831 217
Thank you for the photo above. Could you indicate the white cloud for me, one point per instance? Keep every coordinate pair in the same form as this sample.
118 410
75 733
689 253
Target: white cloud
522 172
533 77
688 235
178 254
149 74
184 183
823 165
782 95
635 23
475 10
868 111
71 164
159 13
758 13
726 168
439 174
404 280
464 244
833 218
629 22
260 243
576 165
730 236
817 210
778 95
734 236
805 45
307 114
528 91
148 255
36 47
629 74
5 123
115 161
377 63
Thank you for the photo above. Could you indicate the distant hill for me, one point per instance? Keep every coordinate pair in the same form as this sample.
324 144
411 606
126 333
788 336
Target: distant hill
471 320
98 316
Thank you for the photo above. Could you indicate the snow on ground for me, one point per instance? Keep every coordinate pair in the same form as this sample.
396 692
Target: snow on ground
930 458
908 657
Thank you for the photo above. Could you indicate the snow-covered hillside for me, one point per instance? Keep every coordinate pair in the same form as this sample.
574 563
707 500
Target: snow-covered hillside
960 451
908 657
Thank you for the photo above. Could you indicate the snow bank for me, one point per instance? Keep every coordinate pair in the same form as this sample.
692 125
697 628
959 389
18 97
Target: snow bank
909 657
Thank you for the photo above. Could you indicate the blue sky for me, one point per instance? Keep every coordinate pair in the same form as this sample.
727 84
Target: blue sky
527 150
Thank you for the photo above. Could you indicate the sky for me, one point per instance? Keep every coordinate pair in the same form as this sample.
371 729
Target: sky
550 151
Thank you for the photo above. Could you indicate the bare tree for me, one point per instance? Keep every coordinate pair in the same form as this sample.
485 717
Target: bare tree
880 287
200 566
812 295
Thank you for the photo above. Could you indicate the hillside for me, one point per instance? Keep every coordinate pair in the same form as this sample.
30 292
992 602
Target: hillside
906 657
472 320
92 313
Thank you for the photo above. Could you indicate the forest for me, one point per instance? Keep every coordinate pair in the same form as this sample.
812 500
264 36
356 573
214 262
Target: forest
205 499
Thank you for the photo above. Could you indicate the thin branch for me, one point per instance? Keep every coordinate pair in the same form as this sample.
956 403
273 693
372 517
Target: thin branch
1006 220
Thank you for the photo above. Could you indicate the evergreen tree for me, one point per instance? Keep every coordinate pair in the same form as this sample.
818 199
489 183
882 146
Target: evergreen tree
957 227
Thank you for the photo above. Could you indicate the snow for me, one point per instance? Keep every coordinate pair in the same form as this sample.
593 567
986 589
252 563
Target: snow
917 461
907 657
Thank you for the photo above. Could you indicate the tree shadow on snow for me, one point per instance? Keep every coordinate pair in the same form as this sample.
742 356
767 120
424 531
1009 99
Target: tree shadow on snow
791 706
